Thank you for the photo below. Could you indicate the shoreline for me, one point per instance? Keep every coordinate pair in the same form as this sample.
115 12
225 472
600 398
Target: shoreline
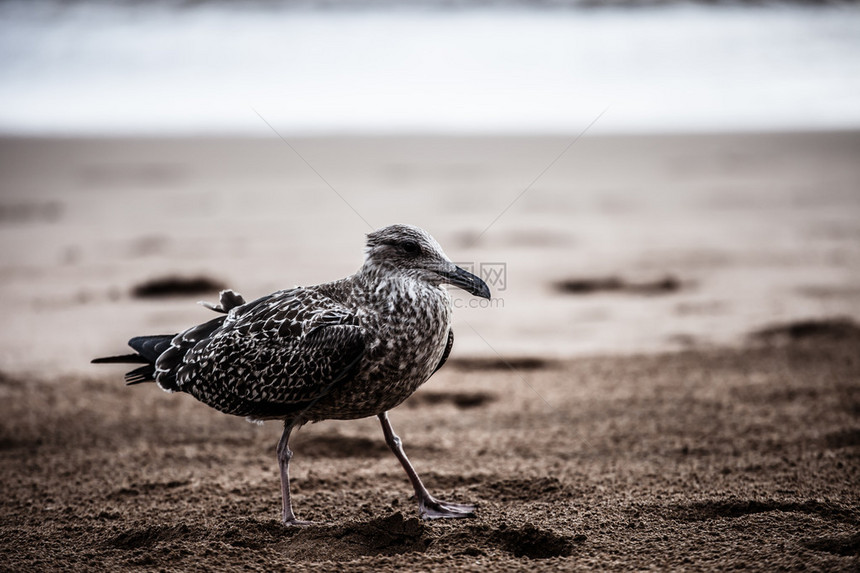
747 231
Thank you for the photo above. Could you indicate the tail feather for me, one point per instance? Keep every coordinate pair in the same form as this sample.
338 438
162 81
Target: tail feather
124 359
149 348
140 375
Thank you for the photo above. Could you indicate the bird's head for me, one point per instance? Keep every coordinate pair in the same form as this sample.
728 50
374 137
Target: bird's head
409 250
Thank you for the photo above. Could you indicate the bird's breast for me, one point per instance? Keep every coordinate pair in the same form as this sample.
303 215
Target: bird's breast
406 339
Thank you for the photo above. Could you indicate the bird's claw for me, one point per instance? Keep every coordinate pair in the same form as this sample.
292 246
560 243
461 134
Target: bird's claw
436 509
296 522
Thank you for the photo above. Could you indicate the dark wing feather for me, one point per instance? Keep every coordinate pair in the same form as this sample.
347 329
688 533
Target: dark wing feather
123 359
448 348
139 375
317 368
170 359
272 359
151 347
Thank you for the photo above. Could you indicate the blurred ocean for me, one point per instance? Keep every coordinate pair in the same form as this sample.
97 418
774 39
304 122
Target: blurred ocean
93 68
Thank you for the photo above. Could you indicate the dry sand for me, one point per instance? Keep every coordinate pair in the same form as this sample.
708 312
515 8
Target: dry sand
641 425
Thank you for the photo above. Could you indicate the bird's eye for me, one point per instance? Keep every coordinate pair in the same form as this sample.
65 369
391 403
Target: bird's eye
410 247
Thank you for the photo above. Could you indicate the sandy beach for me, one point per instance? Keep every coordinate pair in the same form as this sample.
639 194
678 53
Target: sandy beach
668 376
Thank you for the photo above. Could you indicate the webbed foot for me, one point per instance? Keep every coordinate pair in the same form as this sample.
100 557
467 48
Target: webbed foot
433 508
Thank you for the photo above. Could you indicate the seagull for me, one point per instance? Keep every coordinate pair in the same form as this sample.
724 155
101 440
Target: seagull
343 350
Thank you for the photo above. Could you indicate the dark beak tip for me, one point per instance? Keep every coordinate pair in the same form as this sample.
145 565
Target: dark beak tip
469 282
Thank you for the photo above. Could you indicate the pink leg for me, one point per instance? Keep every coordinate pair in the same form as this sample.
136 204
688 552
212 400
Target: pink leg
428 506
284 456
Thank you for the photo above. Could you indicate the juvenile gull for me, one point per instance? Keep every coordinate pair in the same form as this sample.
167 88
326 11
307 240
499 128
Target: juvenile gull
347 349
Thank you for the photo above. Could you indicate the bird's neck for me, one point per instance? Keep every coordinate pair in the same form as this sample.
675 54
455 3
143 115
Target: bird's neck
385 286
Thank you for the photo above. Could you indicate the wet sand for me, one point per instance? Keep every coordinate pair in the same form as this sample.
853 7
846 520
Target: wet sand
629 421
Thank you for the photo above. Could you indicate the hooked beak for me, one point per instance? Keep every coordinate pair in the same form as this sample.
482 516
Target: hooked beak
468 282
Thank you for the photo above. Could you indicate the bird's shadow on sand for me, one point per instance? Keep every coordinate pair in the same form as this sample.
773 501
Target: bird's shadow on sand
393 534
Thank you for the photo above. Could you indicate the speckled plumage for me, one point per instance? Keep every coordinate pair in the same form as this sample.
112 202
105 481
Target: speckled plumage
352 348
341 350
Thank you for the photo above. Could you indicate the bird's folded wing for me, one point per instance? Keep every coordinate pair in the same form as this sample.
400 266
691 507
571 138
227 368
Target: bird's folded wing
282 355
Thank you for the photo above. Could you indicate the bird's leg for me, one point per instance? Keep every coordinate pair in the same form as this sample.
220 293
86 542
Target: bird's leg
284 456
428 506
